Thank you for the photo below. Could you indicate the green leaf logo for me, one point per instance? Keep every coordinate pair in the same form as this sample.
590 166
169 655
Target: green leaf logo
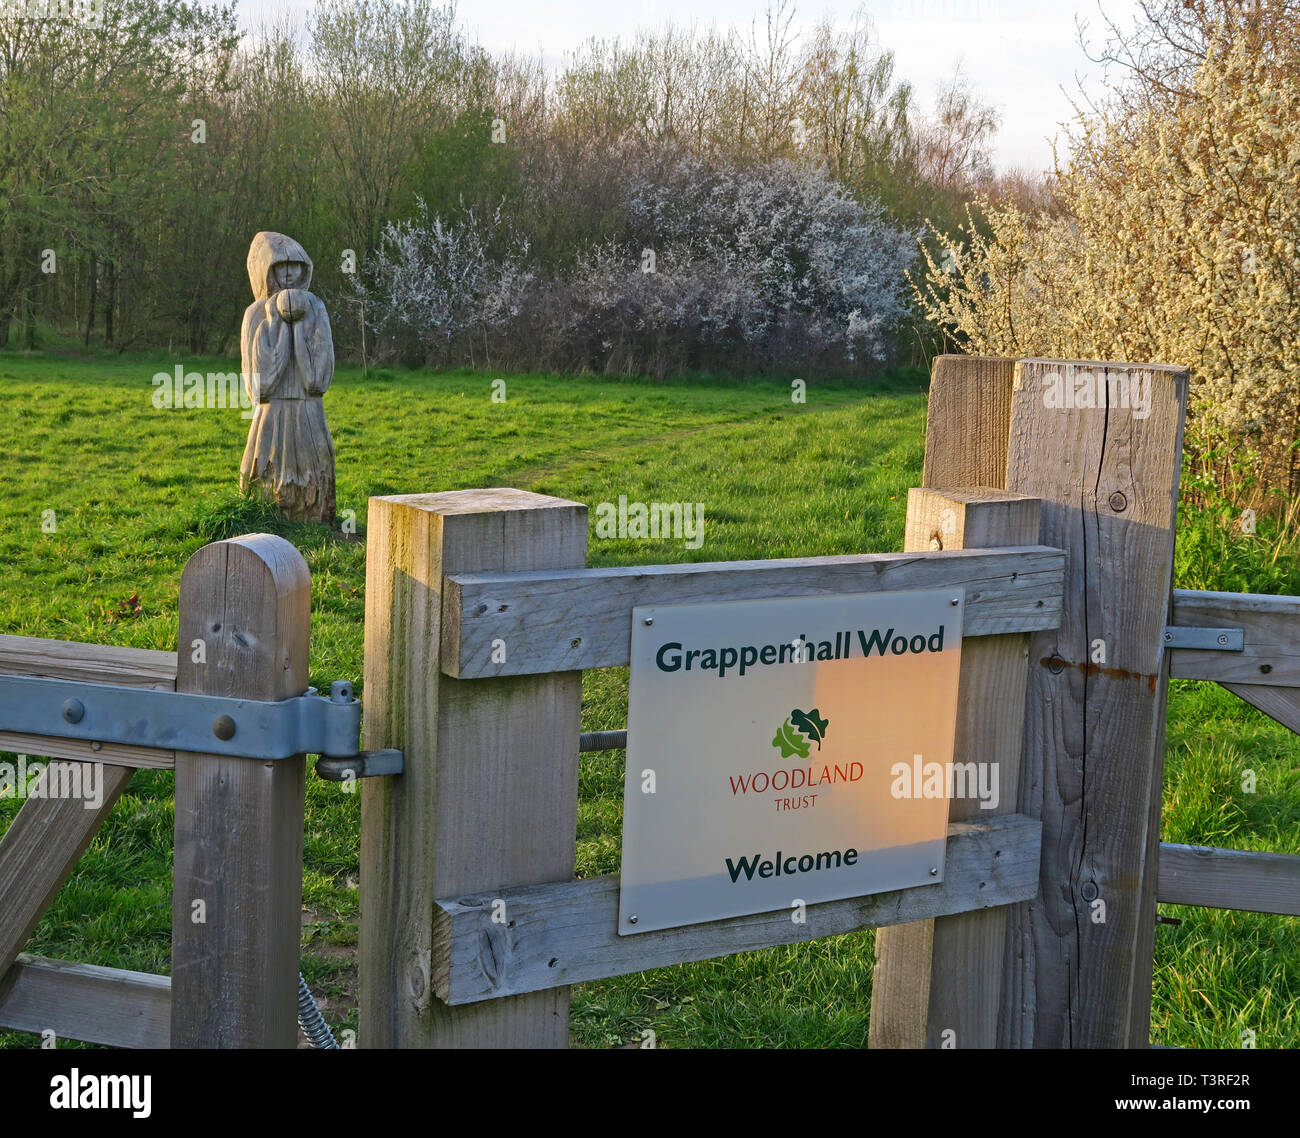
810 724
790 741
797 734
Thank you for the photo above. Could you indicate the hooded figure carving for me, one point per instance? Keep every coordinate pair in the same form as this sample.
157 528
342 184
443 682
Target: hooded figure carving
287 359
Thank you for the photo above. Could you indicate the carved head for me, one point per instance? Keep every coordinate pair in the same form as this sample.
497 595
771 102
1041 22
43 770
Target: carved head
277 262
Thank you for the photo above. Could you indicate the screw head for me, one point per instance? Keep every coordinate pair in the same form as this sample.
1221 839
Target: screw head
96 746
1118 502
955 602
632 919
73 710
1223 638
223 727
934 871
649 620
1055 665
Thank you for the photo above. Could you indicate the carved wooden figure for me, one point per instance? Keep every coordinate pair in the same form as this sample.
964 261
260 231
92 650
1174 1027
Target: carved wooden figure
287 358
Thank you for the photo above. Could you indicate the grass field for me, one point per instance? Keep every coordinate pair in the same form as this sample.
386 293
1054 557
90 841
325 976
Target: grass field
135 491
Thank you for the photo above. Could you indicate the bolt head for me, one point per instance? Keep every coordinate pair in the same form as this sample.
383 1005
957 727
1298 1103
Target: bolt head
649 620
223 727
73 710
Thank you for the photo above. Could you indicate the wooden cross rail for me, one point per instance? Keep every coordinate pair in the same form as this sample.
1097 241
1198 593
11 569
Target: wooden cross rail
565 933
575 619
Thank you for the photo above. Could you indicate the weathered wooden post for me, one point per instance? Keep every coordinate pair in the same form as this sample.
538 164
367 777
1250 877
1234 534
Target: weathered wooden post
938 982
1101 445
488 798
237 894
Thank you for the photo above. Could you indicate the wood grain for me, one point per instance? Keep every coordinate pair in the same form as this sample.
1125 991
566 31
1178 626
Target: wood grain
239 821
579 619
939 982
111 1006
1280 704
567 932
1094 741
967 421
488 798
1248 880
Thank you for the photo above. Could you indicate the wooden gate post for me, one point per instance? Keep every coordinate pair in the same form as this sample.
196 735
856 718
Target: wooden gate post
939 982
1101 445
237 895
488 798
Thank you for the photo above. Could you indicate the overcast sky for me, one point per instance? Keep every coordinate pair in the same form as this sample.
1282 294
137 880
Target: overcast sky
1024 56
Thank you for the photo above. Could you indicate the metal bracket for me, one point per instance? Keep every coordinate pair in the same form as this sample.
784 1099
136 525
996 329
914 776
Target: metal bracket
184 721
1206 639
364 764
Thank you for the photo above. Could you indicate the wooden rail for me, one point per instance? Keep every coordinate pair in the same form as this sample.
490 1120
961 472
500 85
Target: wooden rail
565 933
574 619
86 1002
1271 656
1248 880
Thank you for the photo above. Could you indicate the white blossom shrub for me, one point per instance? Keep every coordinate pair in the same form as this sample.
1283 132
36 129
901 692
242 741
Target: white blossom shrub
715 267
1175 243
758 267
436 284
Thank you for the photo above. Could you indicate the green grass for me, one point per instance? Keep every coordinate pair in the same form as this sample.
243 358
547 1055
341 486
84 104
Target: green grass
135 491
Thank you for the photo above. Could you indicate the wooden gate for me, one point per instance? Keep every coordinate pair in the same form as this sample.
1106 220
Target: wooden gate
237 881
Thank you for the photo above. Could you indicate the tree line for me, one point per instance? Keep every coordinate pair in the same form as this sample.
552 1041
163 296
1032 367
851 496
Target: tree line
138 158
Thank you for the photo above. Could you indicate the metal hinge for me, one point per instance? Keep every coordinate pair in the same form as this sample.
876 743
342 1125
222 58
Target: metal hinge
185 721
1206 639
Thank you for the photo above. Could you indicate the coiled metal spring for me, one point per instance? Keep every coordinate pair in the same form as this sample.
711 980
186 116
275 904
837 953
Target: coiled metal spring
311 1021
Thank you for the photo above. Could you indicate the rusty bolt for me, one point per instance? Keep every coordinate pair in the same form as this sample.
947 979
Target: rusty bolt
1055 664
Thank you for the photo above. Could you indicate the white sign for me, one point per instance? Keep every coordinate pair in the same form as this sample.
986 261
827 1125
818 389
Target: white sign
776 752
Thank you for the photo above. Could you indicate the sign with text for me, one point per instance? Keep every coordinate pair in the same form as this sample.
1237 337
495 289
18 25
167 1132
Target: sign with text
778 750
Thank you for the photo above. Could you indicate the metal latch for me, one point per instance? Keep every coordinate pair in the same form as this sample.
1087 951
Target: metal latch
187 721
1206 639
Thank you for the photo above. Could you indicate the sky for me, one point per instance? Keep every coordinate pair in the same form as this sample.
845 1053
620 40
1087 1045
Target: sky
1023 56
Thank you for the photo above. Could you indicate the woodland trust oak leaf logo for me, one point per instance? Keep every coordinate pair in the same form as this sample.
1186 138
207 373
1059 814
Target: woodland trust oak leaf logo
797 734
